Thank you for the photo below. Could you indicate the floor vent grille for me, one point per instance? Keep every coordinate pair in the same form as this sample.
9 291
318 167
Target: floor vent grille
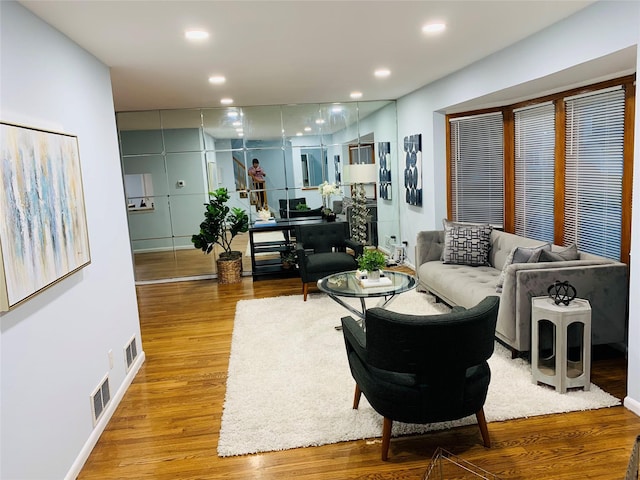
100 399
131 352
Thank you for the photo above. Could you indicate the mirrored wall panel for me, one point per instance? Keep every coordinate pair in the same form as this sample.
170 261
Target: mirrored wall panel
268 157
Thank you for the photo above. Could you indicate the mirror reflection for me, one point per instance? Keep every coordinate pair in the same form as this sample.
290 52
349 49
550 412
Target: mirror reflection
172 158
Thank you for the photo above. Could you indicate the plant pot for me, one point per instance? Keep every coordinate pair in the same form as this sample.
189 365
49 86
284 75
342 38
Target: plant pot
373 274
331 217
230 268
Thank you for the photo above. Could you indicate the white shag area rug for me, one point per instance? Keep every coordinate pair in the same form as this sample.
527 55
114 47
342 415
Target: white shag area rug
289 383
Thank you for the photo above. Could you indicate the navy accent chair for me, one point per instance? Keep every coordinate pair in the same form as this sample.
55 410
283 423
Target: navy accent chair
423 368
322 250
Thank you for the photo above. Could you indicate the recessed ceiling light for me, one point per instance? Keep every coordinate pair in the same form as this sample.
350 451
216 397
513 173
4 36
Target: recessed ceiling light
217 79
435 27
232 114
226 101
237 123
337 109
356 95
319 121
382 72
196 35
298 134
307 129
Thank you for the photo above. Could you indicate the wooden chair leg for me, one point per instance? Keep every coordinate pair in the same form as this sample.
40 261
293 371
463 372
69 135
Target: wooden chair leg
356 397
386 438
305 290
482 423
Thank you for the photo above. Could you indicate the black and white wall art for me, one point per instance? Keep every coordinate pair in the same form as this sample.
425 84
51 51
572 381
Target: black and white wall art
337 169
413 169
384 162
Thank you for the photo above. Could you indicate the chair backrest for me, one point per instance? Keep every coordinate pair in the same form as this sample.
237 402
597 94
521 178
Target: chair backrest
431 345
292 202
322 237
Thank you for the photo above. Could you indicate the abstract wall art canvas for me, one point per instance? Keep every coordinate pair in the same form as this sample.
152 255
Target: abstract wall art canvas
43 233
384 172
413 169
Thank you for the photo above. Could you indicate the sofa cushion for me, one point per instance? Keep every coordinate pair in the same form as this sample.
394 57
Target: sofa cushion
466 244
520 255
560 255
462 285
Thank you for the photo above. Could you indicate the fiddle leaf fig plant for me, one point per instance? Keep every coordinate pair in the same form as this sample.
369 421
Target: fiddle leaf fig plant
221 224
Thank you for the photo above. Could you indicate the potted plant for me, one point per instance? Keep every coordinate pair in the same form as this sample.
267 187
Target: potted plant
220 226
302 207
289 259
371 261
327 189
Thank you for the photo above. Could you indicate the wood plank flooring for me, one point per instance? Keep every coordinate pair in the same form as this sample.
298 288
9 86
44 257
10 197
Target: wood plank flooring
167 425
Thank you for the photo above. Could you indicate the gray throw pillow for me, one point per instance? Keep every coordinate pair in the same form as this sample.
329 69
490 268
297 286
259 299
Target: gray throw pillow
569 253
520 255
466 243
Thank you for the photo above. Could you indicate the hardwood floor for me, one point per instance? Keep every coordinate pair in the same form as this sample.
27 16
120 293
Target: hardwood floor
167 425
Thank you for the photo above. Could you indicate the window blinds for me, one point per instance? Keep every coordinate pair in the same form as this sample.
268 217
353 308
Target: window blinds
477 155
593 175
534 171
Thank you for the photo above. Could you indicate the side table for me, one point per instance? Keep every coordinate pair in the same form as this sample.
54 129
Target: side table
557 367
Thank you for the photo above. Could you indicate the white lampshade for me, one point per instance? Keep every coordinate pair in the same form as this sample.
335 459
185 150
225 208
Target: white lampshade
362 173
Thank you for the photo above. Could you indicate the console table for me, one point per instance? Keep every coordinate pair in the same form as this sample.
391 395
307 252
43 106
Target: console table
272 267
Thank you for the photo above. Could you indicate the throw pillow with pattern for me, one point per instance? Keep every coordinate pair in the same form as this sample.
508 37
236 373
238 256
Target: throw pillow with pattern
466 243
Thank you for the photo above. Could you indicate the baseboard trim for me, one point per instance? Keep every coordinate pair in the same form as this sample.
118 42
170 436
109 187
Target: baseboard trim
632 404
86 450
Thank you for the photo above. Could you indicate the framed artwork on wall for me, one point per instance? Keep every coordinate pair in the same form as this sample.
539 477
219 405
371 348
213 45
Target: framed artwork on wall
337 169
413 169
43 235
384 176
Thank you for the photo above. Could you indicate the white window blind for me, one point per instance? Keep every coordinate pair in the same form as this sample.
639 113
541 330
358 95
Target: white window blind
593 176
477 157
534 171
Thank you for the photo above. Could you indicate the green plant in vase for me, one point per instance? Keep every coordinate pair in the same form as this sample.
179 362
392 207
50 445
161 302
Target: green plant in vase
371 261
220 226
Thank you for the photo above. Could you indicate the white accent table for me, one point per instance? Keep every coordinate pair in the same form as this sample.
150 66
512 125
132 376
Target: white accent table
556 368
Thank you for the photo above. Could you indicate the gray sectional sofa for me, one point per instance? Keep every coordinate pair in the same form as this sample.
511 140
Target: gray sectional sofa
600 280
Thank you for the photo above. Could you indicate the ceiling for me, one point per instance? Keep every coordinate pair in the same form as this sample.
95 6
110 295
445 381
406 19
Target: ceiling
285 52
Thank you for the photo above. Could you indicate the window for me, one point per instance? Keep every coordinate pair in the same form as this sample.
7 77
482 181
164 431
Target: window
593 175
557 168
476 169
534 159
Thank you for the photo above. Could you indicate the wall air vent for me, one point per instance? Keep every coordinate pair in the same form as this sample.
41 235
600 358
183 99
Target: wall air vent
131 352
100 399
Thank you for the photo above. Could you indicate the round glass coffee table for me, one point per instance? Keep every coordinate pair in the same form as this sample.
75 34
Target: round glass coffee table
347 284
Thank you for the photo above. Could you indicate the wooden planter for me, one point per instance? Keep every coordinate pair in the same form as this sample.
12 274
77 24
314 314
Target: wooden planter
230 268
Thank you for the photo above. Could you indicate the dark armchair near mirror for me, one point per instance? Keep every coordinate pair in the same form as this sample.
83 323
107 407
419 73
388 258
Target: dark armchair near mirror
288 208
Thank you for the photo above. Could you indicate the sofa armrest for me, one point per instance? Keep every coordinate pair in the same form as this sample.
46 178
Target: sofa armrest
429 246
602 282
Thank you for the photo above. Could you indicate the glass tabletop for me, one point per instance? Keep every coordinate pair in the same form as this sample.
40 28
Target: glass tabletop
347 284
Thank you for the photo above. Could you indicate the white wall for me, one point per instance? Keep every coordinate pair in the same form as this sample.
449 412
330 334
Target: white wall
632 401
601 29
54 348
535 57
